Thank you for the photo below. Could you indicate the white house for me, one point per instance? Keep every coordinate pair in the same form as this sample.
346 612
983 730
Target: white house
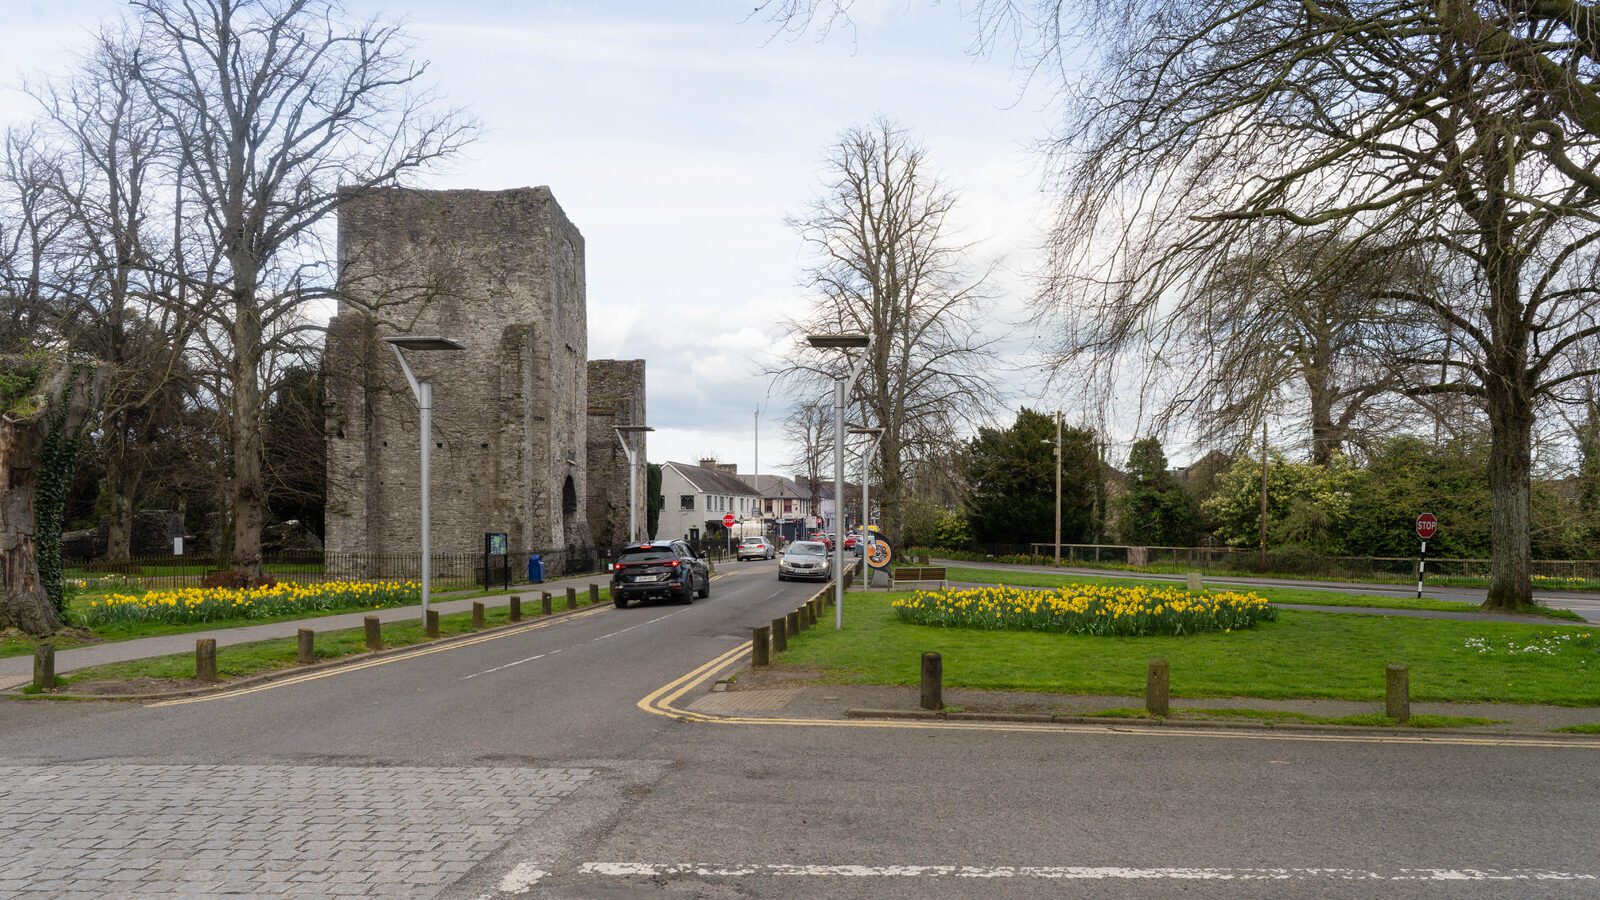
695 498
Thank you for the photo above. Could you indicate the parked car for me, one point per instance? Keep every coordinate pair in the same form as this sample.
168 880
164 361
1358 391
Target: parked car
852 542
659 569
756 548
824 539
805 559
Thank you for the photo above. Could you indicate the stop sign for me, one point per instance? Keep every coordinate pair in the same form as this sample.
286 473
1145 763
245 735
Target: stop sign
1427 526
727 521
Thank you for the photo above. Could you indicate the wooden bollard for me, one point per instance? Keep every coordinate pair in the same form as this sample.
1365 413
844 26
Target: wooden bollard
431 623
44 666
546 604
1156 687
516 608
572 598
1195 585
792 623
812 614
1397 693
477 615
932 681
802 618
305 650
780 634
594 595
761 645
374 634
205 659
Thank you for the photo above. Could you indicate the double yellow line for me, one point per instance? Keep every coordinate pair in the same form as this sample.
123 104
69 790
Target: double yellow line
662 702
398 657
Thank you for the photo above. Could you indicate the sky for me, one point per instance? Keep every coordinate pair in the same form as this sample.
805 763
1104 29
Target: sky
677 137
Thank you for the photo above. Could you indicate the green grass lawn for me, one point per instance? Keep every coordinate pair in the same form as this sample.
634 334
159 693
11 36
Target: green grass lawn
1303 596
1303 654
244 660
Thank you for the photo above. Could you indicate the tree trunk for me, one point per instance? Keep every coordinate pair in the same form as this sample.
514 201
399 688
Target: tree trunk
249 493
119 528
1510 497
27 432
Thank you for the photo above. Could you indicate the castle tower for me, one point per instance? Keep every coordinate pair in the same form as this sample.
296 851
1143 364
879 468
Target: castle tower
616 397
502 273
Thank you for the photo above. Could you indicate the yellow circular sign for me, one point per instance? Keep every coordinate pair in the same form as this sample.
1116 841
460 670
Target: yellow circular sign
879 553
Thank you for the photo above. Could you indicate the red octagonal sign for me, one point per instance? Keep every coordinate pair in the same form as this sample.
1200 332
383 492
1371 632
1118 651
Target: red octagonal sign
1427 526
727 521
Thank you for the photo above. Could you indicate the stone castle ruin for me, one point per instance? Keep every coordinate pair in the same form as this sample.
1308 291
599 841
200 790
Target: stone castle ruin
519 433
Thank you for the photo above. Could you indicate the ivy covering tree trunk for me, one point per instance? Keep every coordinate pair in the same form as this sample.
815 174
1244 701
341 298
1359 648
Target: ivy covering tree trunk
46 403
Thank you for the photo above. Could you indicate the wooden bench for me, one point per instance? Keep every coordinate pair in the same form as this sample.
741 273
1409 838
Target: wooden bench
917 575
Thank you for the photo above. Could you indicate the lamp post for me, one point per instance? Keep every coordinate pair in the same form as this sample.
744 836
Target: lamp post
424 394
1057 443
633 476
841 391
866 507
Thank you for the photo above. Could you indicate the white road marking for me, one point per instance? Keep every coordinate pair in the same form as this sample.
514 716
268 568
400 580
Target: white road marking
521 879
554 652
1082 873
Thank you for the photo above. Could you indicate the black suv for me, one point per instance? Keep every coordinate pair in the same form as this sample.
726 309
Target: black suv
659 569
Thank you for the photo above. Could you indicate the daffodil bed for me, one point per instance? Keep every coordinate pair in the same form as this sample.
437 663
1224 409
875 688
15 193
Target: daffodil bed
191 605
1087 609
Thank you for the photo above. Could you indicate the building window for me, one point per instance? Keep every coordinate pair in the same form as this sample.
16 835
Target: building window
788 506
686 501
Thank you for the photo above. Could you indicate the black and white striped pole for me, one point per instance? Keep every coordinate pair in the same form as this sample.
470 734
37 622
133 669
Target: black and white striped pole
1427 527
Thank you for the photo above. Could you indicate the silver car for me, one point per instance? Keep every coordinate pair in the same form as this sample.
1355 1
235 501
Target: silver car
805 559
756 548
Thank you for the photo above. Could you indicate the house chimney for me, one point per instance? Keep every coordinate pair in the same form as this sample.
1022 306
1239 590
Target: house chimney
730 468
708 463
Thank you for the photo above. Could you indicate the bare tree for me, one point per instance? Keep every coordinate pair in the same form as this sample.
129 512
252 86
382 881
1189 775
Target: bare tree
1209 119
275 105
887 264
37 272
1292 327
115 184
809 429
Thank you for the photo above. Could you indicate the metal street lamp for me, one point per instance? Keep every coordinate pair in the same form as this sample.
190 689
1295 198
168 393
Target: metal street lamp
633 475
841 389
424 394
866 508
1057 443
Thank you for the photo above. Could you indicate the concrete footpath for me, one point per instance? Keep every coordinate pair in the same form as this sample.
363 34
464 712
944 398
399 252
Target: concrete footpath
18 670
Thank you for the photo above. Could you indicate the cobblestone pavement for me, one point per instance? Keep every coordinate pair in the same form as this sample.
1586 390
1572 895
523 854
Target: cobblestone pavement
198 831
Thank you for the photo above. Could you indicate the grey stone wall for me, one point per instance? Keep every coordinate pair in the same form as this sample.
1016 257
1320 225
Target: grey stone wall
502 273
616 397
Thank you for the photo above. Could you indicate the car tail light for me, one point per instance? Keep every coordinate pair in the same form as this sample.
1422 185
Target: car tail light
672 564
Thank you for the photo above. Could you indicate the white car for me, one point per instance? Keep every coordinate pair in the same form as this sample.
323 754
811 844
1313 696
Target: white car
805 559
756 548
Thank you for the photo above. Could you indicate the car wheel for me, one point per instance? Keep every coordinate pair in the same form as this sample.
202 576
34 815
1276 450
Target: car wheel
782 577
705 587
620 602
687 596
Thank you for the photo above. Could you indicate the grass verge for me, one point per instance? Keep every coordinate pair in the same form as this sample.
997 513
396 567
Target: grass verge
127 631
1301 596
1289 717
258 657
1302 655
1587 728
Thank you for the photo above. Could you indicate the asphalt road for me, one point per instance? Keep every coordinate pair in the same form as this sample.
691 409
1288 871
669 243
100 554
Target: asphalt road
522 766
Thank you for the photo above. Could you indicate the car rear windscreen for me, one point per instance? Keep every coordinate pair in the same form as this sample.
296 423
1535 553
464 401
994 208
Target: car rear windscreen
647 554
751 542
